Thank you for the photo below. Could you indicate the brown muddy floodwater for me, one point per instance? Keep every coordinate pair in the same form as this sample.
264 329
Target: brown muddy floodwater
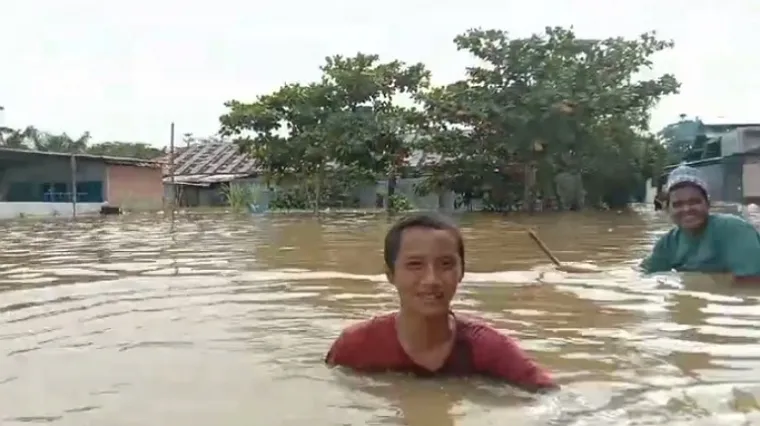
223 321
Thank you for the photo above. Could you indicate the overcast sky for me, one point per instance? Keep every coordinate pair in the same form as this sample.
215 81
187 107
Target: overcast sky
125 70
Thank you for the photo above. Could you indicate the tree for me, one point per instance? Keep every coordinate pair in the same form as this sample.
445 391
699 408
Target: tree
346 124
126 150
18 138
283 132
370 129
60 143
32 138
549 103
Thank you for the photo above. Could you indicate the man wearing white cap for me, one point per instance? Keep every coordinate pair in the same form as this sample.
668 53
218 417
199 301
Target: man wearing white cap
703 241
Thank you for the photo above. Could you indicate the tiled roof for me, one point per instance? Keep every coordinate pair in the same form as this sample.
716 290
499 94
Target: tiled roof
210 158
222 158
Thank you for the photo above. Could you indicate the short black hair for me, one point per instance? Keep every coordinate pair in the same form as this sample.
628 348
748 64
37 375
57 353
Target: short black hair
418 220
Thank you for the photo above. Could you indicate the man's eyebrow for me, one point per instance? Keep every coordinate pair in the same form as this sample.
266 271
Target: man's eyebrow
413 256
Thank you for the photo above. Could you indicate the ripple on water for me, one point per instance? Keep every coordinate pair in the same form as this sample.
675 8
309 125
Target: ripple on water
101 318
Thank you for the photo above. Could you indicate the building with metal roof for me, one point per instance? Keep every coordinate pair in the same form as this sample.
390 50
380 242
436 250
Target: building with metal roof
198 171
208 163
59 183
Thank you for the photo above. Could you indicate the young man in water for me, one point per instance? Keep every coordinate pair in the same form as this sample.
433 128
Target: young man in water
703 241
425 260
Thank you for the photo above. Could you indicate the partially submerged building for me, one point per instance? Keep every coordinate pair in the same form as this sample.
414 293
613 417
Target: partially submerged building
65 184
727 154
201 170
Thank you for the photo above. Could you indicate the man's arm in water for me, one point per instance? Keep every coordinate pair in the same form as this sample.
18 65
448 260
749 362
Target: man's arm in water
659 259
741 248
499 356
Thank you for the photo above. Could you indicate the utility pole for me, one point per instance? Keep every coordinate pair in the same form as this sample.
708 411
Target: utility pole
2 125
171 173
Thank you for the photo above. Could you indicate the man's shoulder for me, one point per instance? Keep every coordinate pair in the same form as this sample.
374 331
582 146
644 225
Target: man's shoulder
369 326
725 222
477 328
665 239
468 320
360 340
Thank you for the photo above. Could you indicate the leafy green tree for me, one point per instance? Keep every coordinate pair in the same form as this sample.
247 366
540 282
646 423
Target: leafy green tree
284 132
370 128
549 103
60 143
32 138
18 138
346 125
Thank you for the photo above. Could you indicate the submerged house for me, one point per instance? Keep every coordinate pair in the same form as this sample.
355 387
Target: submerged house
727 154
65 184
200 171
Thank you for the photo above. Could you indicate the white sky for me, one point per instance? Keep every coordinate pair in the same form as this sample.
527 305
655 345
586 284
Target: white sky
125 70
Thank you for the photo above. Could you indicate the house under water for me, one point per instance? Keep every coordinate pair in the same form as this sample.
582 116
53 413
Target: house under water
728 155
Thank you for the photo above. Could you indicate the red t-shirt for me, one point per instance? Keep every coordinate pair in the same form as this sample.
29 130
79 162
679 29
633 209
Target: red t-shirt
479 349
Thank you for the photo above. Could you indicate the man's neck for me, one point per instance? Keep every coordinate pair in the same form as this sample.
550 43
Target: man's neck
424 332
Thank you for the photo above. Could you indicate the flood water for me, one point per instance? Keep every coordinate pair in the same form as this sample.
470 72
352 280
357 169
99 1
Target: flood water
221 321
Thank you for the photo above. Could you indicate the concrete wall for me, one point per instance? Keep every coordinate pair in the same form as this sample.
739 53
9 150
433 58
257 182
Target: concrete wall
751 178
733 191
406 187
17 210
134 187
713 174
194 196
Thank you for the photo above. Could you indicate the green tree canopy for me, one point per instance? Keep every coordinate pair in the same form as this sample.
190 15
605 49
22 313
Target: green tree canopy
126 149
347 121
535 108
554 100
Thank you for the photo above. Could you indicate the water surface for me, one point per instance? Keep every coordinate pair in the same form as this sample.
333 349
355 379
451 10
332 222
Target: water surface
214 320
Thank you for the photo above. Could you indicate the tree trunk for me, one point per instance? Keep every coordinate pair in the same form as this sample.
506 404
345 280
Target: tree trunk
317 192
528 184
391 190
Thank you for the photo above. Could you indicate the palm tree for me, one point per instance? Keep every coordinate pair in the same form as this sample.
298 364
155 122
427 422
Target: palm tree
61 143
18 139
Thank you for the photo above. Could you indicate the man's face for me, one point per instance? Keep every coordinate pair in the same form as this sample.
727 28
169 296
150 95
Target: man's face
427 271
688 207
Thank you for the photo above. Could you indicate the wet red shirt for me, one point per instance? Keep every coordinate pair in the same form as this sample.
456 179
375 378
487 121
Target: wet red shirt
479 349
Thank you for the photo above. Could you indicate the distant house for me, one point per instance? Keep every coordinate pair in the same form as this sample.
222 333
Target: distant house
729 157
200 170
55 183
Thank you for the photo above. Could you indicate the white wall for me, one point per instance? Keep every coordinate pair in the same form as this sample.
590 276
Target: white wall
651 192
406 187
16 210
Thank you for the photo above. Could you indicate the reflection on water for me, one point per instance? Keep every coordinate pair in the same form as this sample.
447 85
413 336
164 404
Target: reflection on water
215 320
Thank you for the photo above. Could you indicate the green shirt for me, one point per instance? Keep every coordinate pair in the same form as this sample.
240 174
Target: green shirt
728 244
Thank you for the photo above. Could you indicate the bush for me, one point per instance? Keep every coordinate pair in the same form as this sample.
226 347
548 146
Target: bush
399 203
